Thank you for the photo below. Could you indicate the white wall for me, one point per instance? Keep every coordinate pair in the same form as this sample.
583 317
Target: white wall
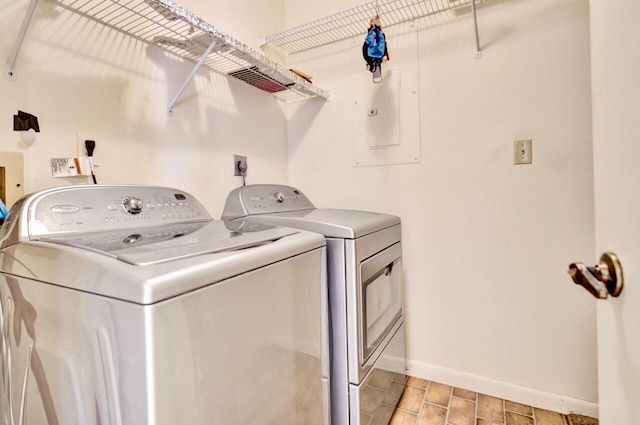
486 243
76 75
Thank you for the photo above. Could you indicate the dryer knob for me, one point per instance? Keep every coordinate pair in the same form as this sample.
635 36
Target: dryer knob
132 205
279 197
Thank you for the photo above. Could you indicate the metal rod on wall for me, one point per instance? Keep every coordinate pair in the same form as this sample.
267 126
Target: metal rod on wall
10 70
475 27
190 77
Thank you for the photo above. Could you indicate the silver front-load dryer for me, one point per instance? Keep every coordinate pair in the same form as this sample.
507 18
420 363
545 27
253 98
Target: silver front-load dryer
364 252
129 305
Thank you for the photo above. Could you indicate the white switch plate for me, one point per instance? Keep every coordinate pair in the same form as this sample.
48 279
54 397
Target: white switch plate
522 152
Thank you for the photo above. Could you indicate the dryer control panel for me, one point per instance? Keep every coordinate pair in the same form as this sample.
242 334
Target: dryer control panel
102 208
264 199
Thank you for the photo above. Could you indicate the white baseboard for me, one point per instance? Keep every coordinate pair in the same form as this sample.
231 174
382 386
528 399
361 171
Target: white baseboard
503 390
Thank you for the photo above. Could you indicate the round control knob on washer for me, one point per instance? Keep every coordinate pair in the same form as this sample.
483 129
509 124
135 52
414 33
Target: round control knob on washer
132 238
279 197
132 205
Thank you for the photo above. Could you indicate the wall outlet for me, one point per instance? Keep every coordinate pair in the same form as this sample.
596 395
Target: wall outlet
240 165
81 136
522 152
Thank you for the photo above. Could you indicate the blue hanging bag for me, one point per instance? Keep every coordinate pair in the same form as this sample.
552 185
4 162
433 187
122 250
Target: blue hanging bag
376 44
374 47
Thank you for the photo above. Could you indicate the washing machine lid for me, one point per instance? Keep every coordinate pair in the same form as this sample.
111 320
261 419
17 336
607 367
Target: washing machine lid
288 206
151 273
155 245
332 223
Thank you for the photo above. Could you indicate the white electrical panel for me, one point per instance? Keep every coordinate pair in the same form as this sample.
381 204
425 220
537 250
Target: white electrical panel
386 116
383 116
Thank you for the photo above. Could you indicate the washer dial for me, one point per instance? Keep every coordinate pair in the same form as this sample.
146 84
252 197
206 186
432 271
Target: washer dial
132 205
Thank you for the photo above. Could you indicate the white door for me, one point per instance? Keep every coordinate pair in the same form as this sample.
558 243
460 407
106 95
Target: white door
615 63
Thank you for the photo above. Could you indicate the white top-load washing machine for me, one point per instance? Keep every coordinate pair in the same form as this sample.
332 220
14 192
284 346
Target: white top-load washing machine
364 253
128 305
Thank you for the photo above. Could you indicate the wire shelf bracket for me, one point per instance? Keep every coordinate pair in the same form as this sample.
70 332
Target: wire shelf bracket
181 33
10 68
352 22
475 30
184 85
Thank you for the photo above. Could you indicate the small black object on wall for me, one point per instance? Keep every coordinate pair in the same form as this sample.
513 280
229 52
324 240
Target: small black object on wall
25 121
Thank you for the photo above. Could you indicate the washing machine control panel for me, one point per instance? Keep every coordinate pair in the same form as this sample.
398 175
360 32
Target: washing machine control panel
265 199
105 208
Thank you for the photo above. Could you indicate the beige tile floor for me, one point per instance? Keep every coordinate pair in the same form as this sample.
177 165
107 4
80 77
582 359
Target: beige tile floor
430 403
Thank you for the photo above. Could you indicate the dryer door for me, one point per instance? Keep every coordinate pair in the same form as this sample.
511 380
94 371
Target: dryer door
381 299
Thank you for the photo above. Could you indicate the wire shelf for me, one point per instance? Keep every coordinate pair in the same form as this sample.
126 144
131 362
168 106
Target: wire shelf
182 33
355 21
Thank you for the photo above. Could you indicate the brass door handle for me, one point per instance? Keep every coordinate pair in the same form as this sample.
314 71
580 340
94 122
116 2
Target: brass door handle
601 280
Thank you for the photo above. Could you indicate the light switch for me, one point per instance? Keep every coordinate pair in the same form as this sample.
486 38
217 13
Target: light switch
522 152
